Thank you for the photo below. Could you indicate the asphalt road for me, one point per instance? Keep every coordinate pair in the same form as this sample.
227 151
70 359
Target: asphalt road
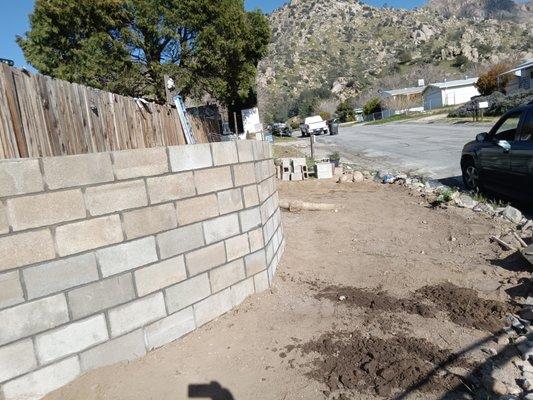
430 149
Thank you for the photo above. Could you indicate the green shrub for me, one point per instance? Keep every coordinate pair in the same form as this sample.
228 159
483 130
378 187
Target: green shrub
372 106
345 111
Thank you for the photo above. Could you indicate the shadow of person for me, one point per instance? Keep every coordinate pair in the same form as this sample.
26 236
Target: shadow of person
211 390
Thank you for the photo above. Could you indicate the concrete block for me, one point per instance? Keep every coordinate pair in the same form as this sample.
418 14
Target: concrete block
256 239
187 292
16 359
189 157
126 256
20 177
86 235
266 188
250 219
245 150
149 220
205 258
78 170
142 162
237 247
212 307
213 179
244 174
170 187
261 282
100 295
124 348
227 275
114 197
286 176
224 153
324 170
255 263
38 384
59 275
258 150
170 328
221 228
229 201
45 209
30 318
4 224
10 289
264 169
267 209
197 209
251 197
241 291
181 240
160 275
25 248
71 338
131 316
296 177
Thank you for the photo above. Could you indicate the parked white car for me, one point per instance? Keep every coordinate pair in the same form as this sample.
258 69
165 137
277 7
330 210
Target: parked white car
314 125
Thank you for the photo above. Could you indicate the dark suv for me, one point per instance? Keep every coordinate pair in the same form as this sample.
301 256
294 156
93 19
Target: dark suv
502 159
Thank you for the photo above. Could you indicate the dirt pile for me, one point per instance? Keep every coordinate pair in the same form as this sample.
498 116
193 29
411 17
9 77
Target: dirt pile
464 307
369 364
375 300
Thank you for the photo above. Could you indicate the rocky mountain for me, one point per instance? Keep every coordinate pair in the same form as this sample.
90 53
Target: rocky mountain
339 49
482 9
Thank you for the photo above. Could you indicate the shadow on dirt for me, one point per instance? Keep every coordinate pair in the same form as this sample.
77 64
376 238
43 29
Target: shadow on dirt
212 390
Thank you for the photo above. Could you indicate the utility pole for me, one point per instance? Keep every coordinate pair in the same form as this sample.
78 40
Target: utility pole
168 94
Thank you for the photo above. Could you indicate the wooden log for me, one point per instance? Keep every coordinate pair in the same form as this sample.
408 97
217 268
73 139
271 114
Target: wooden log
505 245
298 205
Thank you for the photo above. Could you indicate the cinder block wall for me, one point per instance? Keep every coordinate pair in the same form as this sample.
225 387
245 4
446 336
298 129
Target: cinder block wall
106 256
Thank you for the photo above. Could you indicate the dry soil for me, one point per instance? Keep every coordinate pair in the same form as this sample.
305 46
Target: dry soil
386 298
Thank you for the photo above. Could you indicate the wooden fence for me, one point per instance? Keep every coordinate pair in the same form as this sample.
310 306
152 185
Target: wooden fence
41 116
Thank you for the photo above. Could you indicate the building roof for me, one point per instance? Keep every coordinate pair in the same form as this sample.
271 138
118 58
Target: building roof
404 91
453 84
524 65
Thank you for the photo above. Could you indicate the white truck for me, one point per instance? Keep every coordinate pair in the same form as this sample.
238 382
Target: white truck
314 125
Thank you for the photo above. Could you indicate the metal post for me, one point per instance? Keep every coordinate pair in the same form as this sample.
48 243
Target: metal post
312 136
235 121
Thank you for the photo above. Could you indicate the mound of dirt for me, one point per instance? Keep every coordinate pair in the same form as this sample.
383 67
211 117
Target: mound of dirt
375 300
354 362
464 307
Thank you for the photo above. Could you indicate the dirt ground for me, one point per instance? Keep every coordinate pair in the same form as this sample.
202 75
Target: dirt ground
386 298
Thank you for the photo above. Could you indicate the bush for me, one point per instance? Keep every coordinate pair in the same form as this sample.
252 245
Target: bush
499 104
372 106
345 111
488 82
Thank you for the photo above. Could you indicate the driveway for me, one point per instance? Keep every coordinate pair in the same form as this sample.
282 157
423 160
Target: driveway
430 149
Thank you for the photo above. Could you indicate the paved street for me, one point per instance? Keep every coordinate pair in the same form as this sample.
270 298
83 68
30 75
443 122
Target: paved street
430 149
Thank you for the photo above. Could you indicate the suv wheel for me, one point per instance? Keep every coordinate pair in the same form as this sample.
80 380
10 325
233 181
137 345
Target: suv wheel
471 177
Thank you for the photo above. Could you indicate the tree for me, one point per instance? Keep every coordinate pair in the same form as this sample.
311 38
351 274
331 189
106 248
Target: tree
372 106
346 111
127 46
488 82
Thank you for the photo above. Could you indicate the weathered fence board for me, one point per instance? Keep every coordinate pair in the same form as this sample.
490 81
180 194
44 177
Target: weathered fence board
41 116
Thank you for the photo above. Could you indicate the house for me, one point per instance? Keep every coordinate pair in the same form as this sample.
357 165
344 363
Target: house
403 99
520 77
449 93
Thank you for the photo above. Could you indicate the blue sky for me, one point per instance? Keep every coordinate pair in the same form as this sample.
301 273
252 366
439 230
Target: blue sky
14 20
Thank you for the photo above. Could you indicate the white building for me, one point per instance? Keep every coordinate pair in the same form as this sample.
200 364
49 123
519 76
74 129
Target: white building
449 93
520 77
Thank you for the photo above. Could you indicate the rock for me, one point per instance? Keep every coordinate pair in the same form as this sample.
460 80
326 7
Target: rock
342 298
433 184
528 396
358 177
512 214
367 174
389 179
503 340
526 349
465 201
345 178
499 388
527 313
485 208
